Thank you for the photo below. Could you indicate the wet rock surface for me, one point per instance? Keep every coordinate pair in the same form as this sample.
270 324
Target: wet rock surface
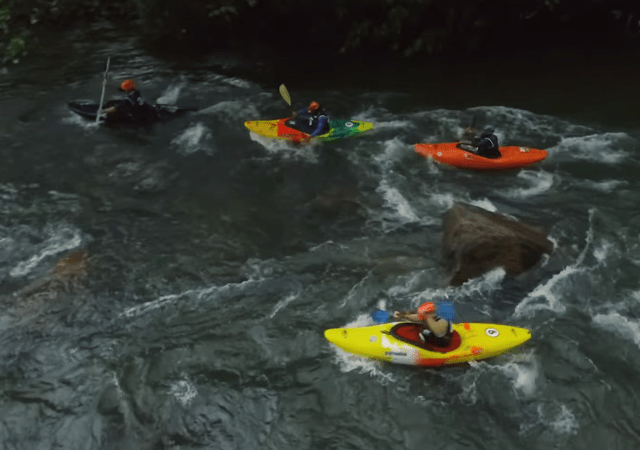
476 241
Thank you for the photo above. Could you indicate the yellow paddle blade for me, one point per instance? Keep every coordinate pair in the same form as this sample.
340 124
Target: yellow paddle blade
285 94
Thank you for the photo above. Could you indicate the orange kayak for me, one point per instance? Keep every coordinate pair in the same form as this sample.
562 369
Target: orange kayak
512 157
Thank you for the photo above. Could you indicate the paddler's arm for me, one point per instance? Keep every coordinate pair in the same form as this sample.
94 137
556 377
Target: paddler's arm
322 121
407 315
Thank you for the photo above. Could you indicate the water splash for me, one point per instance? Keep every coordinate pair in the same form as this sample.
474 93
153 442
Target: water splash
193 139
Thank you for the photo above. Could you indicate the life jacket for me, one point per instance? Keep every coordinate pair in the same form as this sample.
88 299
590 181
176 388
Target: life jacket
307 122
488 146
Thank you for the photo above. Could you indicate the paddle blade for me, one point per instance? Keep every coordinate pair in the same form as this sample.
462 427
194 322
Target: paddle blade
446 310
285 94
380 316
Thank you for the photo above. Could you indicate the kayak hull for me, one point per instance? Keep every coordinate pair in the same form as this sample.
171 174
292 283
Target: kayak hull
399 343
512 157
156 113
278 129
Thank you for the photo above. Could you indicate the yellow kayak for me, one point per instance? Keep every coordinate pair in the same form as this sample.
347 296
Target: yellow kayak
278 129
400 342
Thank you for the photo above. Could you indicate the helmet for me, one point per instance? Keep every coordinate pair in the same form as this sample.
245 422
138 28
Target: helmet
487 132
426 308
313 106
128 85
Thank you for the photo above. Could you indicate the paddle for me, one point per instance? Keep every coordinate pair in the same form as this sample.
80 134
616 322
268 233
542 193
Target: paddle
444 310
104 85
285 94
287 98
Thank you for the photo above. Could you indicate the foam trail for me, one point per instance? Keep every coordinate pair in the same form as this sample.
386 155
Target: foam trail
283 304
229 111
194 139
60 240
170 95
621 325
540 182
546 291
595 147
394 200
286 149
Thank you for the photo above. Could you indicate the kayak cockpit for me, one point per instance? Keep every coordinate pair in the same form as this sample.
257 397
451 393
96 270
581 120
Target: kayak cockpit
410 333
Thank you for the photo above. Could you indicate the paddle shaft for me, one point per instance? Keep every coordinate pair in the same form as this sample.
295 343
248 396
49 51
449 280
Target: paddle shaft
104 85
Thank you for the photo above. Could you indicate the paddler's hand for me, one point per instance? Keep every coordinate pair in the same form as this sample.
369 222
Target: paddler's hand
397 314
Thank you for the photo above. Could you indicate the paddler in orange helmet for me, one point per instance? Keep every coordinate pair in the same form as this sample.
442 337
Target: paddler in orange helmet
436 329
312 120
133 104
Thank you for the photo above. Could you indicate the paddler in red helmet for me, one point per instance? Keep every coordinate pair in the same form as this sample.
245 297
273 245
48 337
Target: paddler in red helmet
437 330
312 120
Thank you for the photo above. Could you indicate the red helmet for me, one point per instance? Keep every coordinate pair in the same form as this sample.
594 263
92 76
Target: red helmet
313 106
128 85
426 308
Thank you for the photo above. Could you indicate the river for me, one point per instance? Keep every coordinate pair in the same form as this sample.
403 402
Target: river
216 259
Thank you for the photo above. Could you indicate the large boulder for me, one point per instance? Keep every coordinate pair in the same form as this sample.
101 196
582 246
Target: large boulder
476 241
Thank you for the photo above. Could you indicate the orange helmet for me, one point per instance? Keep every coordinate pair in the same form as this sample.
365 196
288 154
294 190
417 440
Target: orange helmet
128 85
313 106
426 308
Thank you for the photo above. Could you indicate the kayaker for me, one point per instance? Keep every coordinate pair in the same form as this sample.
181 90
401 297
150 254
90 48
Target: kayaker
312 120
467 139
133 104
487 145
436 330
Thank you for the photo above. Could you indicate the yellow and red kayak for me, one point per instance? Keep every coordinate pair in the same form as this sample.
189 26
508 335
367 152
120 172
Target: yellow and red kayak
278 129
512 157
400 342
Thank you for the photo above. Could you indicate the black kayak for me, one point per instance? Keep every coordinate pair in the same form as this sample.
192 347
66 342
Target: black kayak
147 115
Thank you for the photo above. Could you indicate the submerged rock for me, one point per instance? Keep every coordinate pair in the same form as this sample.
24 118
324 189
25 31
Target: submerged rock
476 241
64 278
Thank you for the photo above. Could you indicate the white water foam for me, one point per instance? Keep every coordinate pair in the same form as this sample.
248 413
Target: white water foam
485 204
617 323
606 186
229 111
523 376
195 138
538 181
60 238
76 120
394 150
283 304
184 391
603 148
551 291
401 209
170 95
286 149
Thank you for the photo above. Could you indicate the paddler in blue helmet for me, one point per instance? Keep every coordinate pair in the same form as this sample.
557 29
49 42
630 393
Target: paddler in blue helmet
312 120
437 330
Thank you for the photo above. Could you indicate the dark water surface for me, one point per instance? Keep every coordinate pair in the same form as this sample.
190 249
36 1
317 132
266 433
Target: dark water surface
217 259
